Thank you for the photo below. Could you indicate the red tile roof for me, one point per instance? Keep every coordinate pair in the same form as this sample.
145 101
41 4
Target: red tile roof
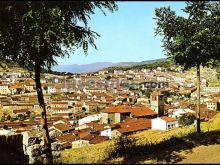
142 111
63 127
67 138
134 126
98 139
117 109
213 101
135 111
168 119
84 132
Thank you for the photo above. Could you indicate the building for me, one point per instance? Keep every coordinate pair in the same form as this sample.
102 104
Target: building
131 126
164 123
115 114
4 89
212 104
89 119
157 103
177 113
211 89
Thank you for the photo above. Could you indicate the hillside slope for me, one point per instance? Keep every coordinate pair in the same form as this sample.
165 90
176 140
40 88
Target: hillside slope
151 146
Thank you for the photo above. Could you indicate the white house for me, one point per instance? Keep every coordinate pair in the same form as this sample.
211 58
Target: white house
161 78
179 79
89 119
164 123
51 89
212 104
176 113
7 132
106 132
4 89
211 89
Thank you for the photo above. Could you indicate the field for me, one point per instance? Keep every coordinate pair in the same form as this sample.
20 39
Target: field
175 146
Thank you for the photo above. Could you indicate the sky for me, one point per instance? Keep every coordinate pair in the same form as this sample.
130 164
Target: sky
126 35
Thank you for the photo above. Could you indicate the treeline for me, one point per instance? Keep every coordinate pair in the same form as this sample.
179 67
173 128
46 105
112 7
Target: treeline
166 64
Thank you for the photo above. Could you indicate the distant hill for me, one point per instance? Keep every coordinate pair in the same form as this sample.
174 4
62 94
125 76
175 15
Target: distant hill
93 67
75 68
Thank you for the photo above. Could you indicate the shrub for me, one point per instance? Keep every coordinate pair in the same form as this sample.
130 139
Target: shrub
186 119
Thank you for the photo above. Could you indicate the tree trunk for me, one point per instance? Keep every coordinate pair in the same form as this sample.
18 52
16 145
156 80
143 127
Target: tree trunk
198 99
45 132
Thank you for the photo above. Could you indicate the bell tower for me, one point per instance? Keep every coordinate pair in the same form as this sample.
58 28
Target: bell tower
157 103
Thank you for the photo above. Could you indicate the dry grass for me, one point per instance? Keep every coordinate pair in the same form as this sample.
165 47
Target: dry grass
85 155
98 153
203 154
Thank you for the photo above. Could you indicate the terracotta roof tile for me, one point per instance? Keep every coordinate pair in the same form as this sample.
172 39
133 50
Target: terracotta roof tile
142 111
63 127
168 119
134 126
67 138
117 109
98 139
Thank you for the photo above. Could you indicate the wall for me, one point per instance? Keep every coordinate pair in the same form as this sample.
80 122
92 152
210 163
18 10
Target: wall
34 148
11 150
157 123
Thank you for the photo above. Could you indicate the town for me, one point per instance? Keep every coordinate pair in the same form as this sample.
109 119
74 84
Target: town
87 109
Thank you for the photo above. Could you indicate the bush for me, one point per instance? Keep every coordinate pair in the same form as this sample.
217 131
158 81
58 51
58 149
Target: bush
186 119
2 118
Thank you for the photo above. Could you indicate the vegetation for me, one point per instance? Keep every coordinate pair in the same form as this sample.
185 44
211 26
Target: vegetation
3 118
192 41
186 119
147 92
34 34
149 146
166 64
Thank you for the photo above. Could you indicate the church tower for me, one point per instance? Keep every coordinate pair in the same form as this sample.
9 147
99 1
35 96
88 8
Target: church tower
157 103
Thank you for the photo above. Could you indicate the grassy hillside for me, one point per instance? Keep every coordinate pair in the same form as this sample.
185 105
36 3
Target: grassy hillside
149 146
12 67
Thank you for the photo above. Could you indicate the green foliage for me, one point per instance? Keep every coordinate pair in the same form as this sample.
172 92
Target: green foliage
148 92
21 117
8 117
166 64
39 32
19 90
12 119
3 118
5 127
193 40
186 119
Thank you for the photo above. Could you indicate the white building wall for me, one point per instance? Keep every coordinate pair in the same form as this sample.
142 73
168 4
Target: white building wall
107 133
89 119
51 89
172 124
117 117
104 118
158 123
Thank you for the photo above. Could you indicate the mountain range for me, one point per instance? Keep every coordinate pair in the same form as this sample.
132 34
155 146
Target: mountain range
93 67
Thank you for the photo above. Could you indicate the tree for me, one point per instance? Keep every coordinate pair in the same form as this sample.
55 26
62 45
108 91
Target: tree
8 117
21 117
3 118
19 90
192 41
34 34
186 119
46 88
148 92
